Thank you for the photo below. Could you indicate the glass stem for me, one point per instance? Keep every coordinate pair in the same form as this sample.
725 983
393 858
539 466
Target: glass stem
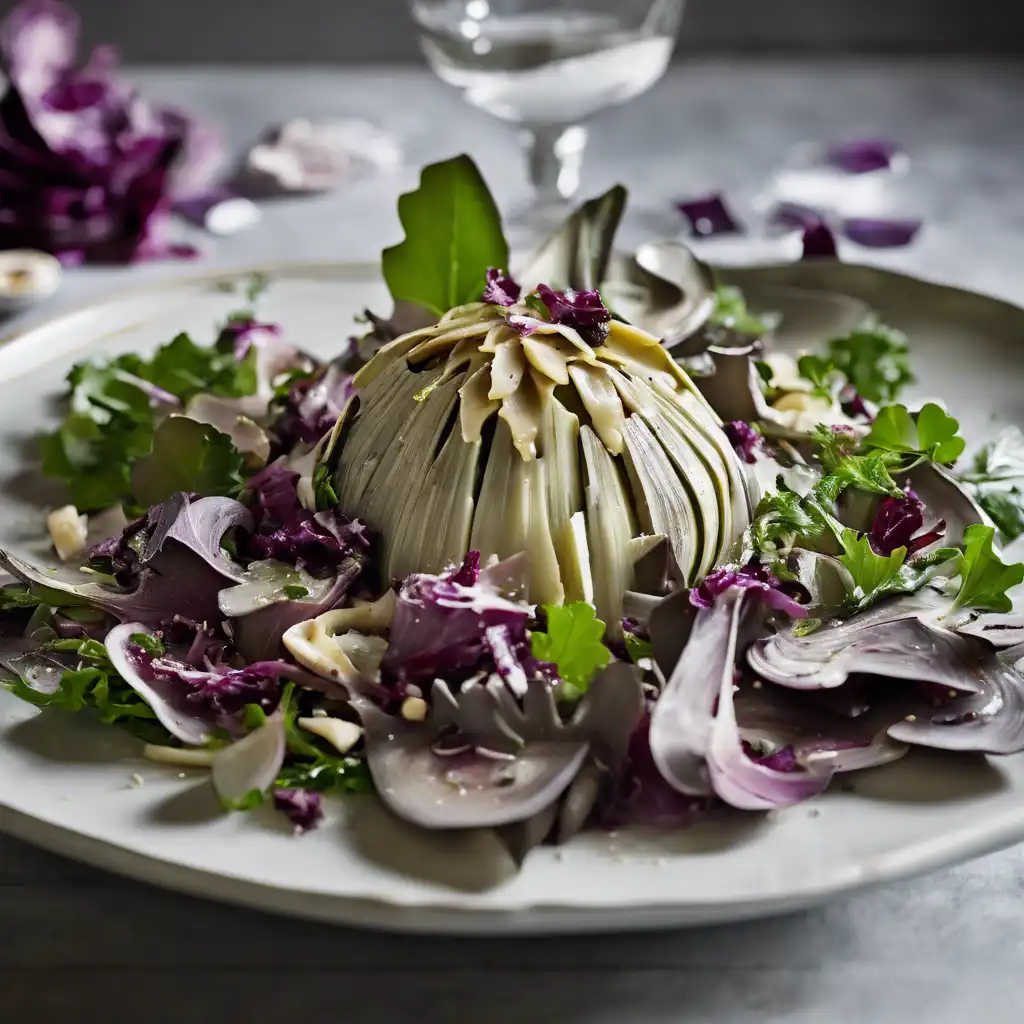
554 156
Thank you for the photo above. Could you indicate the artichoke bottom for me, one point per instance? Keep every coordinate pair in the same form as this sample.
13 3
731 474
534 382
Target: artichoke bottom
506 433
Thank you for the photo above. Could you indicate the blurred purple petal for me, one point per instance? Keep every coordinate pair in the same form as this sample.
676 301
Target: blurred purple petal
709 216
880 233
860 156
501 289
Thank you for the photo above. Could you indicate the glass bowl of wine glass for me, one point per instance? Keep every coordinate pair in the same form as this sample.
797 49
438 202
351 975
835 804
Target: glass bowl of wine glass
547 66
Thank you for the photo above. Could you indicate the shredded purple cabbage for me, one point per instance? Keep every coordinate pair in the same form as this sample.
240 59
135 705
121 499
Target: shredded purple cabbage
219 696
304 808
753 577
897 524
317 543
860 156
709 216
584 311
746 441
88 166
312 407
641 796
452 626
881 233
501 289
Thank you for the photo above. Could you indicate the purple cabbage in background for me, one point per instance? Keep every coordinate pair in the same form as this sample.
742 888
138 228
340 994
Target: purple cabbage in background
89 168
746 441
501 289
454 626
897 524
861 156
881 233
709 216
752 577
304 808
289 533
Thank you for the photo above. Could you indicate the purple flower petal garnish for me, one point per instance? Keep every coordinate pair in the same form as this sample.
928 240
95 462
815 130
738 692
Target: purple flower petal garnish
500 289
881 233
709 216
745 440
860 156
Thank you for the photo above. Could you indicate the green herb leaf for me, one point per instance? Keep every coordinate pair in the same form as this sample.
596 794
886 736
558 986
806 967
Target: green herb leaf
294 591
874 359
933 435
95 686
254 717
821 373
16 597
152 645
638 649
868 472
996 479
452 235
732 313
1006 509
187 456
871 572
324 494
310 766
984 577
572 642
253 799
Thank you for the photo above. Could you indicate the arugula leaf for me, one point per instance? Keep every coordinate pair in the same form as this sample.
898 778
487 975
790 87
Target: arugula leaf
984 577
874 359
186 369
932 436
871 572
452 235
731 312
572 642
309 766
187 456
95 685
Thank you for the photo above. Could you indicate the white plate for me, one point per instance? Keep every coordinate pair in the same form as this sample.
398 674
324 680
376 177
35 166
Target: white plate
66 783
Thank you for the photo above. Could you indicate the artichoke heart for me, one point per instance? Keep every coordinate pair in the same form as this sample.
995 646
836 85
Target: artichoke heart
498 431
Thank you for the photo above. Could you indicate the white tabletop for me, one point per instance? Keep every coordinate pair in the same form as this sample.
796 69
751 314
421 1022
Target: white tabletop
77 944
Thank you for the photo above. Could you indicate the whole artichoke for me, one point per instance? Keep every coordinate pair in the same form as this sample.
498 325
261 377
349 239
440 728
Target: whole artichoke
499 430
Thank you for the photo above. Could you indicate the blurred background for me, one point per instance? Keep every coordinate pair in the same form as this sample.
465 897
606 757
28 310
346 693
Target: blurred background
380 30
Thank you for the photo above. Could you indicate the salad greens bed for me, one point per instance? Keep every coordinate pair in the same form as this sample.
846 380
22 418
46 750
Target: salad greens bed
507 563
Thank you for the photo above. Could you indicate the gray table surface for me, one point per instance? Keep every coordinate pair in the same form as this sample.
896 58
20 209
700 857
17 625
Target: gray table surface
78 944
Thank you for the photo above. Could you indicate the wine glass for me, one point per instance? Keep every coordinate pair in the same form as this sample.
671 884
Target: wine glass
548 66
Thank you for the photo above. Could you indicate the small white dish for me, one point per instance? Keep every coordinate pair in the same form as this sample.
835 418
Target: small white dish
27 276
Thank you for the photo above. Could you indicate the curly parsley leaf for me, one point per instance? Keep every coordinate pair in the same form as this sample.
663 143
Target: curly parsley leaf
984 577
572 643
186 369
933 435
874 359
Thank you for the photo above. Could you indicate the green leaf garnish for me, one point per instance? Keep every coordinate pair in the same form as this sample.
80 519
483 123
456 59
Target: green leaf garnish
984 577
187 456
323 488
310 766
16 597
868 472
821 373
452 236
933 435
152 645
1006 509
294 591
253 799
731 312
874 359
996 479
186 369
638 649
254 717
95 686
872 573
572 642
